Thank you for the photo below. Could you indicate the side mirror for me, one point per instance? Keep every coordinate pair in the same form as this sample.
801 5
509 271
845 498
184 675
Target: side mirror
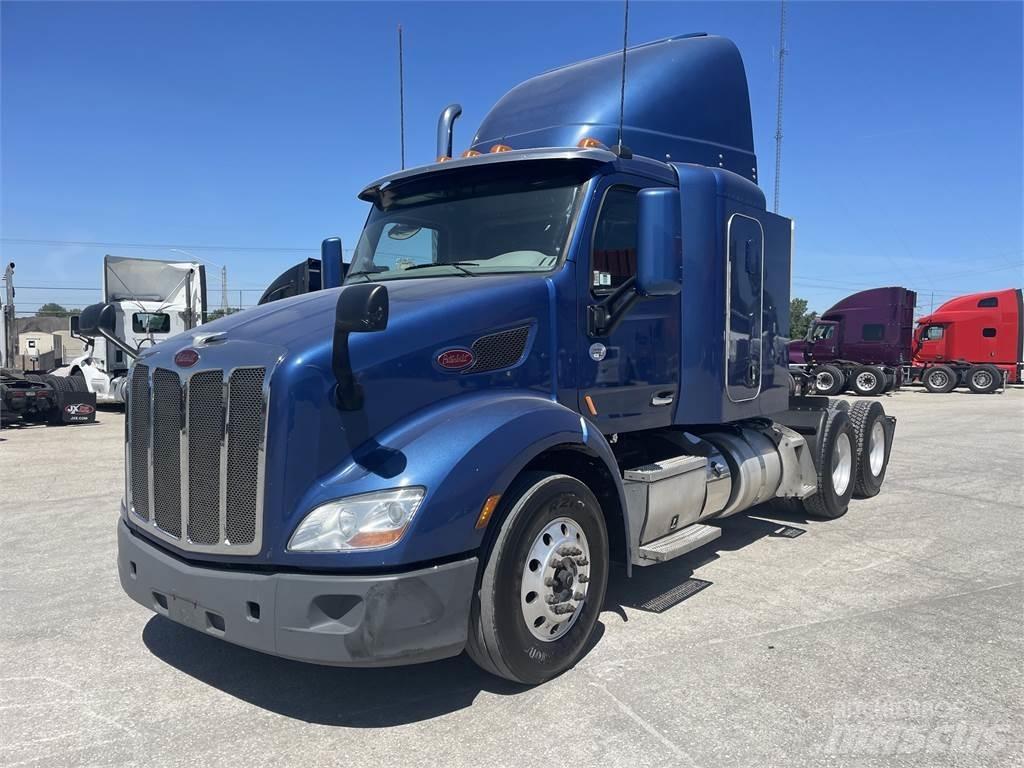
361 308
331 262
101 320
659 253
96 320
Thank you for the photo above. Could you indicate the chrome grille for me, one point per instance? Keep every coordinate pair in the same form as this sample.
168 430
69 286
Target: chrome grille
245 435
138 440
205 433
167 451
194 478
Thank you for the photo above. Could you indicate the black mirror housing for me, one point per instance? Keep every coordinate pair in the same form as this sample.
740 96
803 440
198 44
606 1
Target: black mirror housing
361 308
96 320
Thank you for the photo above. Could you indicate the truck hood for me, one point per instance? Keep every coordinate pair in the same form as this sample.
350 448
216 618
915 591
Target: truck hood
309 439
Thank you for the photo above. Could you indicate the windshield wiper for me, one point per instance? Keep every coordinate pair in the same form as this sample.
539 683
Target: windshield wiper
360 274
459 265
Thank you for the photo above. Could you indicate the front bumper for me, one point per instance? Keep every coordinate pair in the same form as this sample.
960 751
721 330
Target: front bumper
335 619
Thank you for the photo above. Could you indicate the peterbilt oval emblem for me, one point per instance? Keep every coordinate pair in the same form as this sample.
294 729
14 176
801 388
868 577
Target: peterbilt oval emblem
186 358
455 359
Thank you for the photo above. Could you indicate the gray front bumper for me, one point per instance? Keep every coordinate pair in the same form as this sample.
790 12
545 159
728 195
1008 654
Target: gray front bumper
343 620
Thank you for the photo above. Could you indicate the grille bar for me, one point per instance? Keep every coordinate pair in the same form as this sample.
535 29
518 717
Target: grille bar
196 450
138 441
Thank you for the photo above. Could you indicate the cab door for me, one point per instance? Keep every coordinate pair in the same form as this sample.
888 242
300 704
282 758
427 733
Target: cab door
629 378
932 344
824 341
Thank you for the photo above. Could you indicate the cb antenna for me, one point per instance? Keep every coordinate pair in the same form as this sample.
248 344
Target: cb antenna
620 149
778 106
401 97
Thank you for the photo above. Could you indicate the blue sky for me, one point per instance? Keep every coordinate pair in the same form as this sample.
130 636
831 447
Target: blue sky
254 125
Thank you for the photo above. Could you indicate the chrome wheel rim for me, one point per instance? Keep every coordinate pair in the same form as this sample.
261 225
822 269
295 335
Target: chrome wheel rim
938 380
982 379
876 449
824 380
842 463
866 380
556 576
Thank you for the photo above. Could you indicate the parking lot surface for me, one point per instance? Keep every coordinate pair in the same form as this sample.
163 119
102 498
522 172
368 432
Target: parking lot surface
893 636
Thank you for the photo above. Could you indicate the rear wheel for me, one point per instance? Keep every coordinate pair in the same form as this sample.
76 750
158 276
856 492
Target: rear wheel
939 379
835 460
829 380
868 381
544 581
868 421
77 382
983 379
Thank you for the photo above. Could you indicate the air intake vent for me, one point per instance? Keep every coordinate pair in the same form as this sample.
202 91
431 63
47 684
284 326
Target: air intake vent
499 350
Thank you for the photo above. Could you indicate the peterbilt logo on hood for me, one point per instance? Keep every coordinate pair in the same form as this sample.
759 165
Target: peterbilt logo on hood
186 358
455 359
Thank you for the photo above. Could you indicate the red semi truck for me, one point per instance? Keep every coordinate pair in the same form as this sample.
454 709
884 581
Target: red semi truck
975 341
867 343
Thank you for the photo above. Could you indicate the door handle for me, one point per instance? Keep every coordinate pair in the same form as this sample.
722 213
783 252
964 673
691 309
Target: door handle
662 398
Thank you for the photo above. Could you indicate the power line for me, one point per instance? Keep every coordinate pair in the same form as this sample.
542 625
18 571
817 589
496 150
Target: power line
156 246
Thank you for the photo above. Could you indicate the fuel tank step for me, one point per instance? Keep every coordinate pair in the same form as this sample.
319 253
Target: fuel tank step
678 543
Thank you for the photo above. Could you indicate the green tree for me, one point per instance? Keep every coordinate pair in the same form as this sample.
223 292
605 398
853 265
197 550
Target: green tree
52 309
799 318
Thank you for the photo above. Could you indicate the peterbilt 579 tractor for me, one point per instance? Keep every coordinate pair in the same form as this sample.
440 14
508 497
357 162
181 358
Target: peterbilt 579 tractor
548 354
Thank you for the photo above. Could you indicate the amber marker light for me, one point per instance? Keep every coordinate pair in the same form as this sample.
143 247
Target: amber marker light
443 159
487 510
501 148
589 143
470 153
590 405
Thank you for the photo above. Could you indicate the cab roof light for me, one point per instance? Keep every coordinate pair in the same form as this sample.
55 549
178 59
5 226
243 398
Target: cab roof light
590 143
470 153
442 159
501 148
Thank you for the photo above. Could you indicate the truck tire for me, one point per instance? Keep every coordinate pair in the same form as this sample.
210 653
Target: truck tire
829 380
77 382
939 379
983 379
891 382
867 417
868 381
835 460
553 534
57 383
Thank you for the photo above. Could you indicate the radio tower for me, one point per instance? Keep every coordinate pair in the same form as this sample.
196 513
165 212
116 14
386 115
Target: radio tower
224 289
778 107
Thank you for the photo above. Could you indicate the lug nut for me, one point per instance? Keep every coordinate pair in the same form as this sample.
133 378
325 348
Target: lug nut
578 596
582 578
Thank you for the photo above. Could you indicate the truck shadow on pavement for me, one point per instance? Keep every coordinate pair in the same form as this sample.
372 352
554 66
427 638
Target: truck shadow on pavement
372 698
355 698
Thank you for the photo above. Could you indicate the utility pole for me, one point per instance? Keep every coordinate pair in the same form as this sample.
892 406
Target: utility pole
224 290
401 96
778 108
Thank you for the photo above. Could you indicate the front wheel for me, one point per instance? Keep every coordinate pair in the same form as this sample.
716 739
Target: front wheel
544 581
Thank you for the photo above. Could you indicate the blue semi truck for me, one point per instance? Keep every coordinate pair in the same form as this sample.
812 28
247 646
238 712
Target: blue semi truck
548 355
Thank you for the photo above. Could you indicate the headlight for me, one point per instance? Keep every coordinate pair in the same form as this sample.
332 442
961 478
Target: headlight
369 521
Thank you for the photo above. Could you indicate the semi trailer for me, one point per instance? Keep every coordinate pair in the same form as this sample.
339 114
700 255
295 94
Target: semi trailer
565 348
868 343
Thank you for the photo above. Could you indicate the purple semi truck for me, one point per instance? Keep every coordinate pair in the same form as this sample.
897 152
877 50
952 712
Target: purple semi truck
861 343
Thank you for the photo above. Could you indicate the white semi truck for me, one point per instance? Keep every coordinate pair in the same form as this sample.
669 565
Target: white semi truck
152 300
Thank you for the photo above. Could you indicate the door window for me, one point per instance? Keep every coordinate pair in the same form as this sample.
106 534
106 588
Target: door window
613 260
822 332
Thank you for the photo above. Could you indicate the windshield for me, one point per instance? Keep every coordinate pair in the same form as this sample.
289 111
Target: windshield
468 227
